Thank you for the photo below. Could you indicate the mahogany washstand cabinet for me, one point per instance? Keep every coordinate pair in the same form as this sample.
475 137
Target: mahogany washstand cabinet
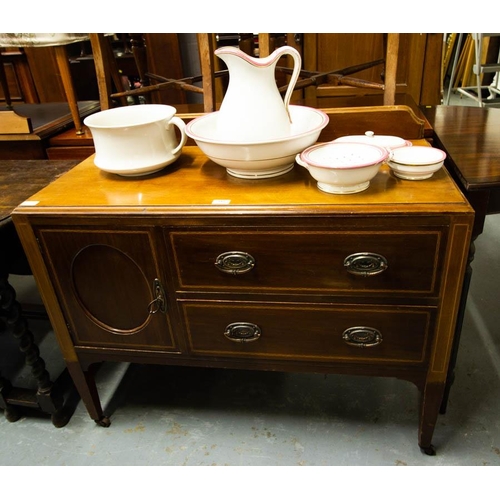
191 266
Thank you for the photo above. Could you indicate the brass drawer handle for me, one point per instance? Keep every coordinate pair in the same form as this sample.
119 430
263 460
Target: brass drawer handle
235 262
365 264
242 332
362 336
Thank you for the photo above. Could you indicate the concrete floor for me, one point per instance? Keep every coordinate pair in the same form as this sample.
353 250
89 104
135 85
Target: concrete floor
192 416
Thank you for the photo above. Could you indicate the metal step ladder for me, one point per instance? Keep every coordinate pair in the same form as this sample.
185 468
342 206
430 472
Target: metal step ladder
484 95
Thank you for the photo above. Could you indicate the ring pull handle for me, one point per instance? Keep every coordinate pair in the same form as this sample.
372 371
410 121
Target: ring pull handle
158 304
242 332
235 262
362 336
365 264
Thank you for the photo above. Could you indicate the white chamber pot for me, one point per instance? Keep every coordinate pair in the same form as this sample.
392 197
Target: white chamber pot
136 140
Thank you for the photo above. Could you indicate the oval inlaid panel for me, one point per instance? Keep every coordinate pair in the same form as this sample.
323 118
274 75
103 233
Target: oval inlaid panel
111 288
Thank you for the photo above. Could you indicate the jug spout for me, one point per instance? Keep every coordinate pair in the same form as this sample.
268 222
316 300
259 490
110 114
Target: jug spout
253 109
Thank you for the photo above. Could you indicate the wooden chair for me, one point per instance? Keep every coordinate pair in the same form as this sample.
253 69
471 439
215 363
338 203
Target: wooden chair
104 62
211 88
107 72
210 71
343 76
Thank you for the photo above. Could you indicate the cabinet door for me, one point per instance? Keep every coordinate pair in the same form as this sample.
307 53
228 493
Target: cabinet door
110 285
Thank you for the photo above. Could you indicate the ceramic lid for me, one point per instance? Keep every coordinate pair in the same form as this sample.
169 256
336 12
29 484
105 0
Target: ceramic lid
343 155
385 141
417 155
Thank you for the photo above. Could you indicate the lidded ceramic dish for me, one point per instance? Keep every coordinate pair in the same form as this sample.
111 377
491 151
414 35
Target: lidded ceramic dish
416 162
343 167
389 142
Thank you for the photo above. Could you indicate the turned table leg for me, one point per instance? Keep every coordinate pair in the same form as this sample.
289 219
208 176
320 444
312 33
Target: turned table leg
45 398
11 412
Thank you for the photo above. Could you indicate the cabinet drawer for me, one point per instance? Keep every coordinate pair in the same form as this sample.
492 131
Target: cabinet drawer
389 262
309 332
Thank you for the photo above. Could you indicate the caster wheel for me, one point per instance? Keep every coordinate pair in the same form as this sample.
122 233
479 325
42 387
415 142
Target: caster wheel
429 450
103 422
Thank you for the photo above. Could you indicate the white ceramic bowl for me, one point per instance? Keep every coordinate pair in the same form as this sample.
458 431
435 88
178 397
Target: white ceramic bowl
389 142
343 167
258 160
416 163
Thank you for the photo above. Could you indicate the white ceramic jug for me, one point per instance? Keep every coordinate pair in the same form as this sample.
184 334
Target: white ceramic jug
252 109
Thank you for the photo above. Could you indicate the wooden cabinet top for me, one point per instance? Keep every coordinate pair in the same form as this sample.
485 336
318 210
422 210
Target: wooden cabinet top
196 185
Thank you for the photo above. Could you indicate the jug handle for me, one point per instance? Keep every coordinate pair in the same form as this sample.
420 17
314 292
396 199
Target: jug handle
297 62
179 123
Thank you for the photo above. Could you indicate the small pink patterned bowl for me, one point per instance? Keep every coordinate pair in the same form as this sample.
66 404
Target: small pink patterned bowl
416 162
343 167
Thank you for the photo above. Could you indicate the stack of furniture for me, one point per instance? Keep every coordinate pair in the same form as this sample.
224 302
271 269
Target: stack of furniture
470 62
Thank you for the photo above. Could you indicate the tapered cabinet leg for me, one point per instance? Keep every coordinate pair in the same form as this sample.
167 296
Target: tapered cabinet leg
431 398
85 385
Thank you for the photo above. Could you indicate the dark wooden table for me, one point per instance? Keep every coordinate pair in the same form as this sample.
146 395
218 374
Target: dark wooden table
20 179
471 138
